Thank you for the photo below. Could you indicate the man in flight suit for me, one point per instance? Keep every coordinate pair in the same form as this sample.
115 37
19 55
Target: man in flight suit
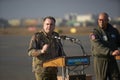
105 41
44 47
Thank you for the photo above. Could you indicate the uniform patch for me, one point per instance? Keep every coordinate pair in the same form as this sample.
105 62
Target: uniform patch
113 36
92 36
105 38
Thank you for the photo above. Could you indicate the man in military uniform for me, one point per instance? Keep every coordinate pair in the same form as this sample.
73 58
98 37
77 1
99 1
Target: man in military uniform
44 47
105 41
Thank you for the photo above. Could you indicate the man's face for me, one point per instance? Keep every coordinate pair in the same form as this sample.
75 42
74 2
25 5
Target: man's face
102 21
48 25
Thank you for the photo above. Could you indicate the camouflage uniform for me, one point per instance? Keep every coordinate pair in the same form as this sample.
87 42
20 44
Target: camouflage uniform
55 50
104 42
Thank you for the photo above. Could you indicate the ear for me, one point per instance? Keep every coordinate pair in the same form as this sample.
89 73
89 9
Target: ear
108 19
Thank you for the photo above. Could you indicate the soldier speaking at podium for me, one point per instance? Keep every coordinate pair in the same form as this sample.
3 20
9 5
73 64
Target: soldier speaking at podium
43 47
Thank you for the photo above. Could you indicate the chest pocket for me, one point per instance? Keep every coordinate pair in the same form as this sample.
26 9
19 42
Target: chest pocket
40 40
112 38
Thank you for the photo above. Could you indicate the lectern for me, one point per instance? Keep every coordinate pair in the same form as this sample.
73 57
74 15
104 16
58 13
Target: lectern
65 62
117 57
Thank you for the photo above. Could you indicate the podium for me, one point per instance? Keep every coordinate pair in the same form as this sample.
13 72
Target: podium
64 62
117 57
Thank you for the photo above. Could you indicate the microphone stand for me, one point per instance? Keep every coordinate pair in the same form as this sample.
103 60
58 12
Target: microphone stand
63 69
83 51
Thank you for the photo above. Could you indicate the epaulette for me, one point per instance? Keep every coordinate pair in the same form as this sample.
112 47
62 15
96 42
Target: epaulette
38 34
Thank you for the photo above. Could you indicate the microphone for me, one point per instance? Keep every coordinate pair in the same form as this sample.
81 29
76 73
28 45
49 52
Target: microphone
57 37
70 38
66 38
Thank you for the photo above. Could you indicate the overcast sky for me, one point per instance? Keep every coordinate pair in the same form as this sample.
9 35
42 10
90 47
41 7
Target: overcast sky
10 9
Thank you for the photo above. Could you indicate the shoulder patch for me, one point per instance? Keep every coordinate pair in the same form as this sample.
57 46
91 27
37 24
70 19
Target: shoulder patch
92 36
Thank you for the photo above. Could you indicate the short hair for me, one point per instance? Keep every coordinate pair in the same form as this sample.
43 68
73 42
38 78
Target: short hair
105 14
49 17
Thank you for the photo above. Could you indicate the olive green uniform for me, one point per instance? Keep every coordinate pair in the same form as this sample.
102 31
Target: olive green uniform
103 43
55 50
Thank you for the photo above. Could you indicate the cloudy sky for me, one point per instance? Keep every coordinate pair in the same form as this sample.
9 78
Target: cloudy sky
58 8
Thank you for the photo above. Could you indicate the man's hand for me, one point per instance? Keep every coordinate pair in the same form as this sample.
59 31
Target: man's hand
36 53
116 53
44 48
